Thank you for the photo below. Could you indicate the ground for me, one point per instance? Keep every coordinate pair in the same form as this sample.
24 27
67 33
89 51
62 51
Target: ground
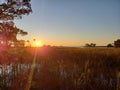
59 68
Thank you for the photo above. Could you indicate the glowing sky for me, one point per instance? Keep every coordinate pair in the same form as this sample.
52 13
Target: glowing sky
72 22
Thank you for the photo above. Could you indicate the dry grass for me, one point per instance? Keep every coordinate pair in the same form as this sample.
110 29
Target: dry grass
63 68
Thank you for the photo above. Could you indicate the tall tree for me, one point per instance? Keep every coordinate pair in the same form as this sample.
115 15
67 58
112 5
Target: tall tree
10 10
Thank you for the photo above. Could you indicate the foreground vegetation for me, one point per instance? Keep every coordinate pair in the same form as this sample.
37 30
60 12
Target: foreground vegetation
60 68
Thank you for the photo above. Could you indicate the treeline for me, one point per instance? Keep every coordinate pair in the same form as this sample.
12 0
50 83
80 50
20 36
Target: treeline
116 44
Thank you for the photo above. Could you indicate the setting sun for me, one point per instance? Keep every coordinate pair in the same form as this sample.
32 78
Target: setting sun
38 44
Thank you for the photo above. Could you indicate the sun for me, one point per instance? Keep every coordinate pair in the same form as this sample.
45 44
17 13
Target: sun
38 44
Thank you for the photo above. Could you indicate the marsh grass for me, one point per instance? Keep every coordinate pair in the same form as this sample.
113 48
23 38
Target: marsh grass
61 68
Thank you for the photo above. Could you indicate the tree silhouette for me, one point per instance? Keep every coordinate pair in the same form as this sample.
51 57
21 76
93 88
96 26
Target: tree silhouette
10 10
90 45
109 45
93 44
117 43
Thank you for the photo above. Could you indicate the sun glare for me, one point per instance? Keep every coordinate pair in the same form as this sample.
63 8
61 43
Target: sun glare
38 44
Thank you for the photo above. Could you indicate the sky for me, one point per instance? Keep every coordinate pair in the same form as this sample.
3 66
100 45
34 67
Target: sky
72 22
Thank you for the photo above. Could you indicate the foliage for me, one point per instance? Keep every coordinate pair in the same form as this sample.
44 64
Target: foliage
109 45
90 45
117 43
9 10
8 32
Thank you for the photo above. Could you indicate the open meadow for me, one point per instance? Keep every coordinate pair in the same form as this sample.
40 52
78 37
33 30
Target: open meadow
59 68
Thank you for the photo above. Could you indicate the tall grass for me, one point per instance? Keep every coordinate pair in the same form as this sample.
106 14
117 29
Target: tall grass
61 69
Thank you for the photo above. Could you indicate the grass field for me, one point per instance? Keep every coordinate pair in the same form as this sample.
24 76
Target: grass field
56 68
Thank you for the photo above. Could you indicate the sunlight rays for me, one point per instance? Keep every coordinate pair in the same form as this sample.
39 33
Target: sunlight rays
28 85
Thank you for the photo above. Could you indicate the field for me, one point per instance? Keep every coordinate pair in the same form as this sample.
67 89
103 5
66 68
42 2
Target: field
59 68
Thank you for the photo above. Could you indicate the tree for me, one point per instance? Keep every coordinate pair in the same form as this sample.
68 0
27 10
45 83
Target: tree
117 43
109 45
87 45
10 10
93 44
90 45
8 32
